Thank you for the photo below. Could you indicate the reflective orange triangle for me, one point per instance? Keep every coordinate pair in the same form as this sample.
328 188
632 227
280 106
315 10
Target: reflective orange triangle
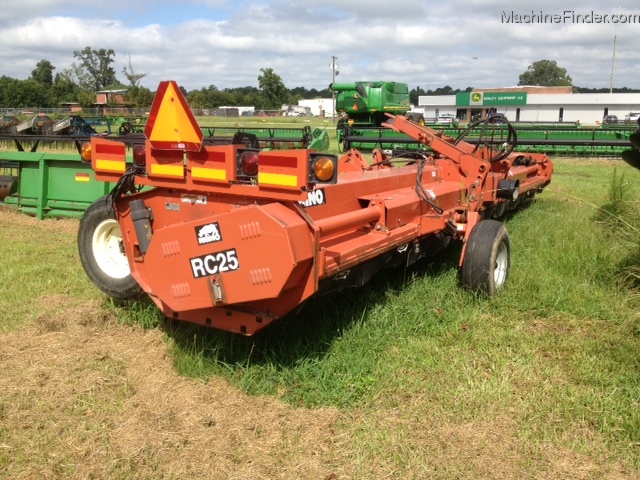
171 123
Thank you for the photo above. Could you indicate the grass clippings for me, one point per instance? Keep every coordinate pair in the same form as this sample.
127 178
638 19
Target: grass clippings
83 397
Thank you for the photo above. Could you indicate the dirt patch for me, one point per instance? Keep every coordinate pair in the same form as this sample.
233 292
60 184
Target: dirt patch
84 397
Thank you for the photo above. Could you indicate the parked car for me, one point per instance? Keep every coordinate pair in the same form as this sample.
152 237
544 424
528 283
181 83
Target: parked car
496 116
610 119
632 117
446 118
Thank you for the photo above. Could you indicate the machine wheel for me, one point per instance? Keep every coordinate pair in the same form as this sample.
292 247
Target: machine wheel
486 262
415 117
102 253
125 129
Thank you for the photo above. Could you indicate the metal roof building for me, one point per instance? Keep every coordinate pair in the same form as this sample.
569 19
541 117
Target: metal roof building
533 104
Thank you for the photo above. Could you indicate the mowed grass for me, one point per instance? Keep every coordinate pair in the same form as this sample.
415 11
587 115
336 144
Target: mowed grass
37 264
556 353
543 379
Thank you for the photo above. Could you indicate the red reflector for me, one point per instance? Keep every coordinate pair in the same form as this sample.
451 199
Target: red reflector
279 161
249 163
110 148
139 155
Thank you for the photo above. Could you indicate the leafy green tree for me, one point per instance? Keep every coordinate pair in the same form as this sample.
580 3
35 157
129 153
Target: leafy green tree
43 72
212 98
273 89
302 92
64 90
139 96
215 98
209 97
446 90
545 73
23 93
414 95
244 96
95 71
197 99
77 76
605 90
86 99
5 85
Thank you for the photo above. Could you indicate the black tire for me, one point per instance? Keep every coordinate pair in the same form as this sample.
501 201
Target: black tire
125 129
487 258
102 254
415 117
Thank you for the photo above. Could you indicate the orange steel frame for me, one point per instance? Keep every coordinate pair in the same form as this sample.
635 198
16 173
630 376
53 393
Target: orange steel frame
275 247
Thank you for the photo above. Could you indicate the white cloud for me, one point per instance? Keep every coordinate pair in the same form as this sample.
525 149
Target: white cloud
225 43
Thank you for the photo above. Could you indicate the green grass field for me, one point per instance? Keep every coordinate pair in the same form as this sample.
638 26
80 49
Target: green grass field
542 381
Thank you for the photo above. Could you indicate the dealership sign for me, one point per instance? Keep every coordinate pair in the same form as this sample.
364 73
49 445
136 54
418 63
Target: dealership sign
490 99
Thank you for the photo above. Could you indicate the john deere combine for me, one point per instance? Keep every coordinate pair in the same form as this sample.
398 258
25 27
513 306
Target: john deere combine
363 108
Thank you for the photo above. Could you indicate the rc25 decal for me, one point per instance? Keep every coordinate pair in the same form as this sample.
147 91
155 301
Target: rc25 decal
214 263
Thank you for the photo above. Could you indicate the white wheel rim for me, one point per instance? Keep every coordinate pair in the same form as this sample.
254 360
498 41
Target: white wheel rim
502 265
107 249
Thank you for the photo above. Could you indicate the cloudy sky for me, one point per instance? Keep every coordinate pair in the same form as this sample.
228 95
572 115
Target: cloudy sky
425 43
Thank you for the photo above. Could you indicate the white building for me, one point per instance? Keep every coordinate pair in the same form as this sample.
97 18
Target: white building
236 111
533 104
319 106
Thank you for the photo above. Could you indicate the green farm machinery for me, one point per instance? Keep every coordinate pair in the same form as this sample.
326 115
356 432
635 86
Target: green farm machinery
38 182
632 155
363 108
558 139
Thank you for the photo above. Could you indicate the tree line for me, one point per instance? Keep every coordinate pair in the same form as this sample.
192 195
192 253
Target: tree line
93 71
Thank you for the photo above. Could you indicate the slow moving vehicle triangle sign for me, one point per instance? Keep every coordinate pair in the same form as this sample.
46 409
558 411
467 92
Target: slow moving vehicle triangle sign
171 124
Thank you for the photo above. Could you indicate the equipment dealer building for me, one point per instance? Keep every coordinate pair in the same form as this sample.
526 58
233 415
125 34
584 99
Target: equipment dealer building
532 104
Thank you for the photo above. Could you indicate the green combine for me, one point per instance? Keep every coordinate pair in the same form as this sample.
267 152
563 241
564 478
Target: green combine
363 106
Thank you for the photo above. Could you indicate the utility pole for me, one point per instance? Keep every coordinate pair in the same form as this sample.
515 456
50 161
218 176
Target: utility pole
615 41
334 71
613 62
